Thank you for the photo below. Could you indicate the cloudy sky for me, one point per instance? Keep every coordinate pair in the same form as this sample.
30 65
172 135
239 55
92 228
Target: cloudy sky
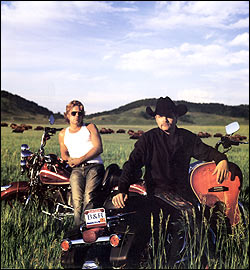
107 54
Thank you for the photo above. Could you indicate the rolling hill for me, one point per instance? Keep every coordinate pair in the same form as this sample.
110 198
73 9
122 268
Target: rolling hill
18 109
198 113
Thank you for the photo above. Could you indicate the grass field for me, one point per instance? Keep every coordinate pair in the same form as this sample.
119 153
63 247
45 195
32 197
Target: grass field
31 240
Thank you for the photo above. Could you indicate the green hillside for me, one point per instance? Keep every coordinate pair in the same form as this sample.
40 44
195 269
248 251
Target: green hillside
17 109
137 116
215 108
198 114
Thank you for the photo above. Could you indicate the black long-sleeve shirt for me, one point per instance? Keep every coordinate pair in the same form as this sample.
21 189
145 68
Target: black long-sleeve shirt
166 160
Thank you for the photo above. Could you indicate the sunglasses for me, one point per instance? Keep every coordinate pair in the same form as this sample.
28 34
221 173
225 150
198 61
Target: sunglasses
79 113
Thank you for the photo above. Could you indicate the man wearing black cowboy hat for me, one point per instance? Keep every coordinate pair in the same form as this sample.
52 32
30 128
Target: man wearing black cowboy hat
166 152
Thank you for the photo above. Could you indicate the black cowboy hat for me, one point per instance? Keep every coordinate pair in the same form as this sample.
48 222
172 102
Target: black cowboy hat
166 107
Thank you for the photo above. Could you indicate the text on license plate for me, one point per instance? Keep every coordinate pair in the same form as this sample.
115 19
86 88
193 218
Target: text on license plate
95 217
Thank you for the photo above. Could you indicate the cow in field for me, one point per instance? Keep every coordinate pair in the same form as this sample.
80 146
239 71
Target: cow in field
136 135
120 131
130 132
13 125
140 132
4 124
237 138
103 131
218 135
26 127
202 134
39 128
106 131
18 129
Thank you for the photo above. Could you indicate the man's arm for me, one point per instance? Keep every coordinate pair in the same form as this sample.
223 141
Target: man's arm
205 152
135 163
64 151
96 141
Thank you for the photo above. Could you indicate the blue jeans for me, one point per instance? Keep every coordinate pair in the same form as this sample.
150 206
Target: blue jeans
85 185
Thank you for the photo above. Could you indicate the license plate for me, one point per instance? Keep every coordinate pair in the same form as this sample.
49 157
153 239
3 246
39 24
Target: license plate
95 218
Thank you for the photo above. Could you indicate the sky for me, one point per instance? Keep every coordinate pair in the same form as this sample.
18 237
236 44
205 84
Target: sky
110 53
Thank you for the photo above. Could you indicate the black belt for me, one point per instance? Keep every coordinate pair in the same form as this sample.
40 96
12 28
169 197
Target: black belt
84 164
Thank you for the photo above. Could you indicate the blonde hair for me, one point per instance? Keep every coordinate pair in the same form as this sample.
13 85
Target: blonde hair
69 107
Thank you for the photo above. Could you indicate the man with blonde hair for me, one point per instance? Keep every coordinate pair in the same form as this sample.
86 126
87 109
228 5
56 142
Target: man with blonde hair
81 146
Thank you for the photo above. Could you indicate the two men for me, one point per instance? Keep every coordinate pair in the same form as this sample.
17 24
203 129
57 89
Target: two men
165 151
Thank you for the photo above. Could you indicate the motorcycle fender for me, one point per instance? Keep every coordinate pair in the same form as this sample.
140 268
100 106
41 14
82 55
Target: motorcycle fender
119 255
14 188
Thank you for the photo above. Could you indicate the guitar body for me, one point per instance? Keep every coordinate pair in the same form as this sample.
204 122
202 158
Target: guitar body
211 193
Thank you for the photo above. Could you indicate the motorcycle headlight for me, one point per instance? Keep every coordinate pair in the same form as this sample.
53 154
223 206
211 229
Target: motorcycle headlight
25 147
23 166
25 153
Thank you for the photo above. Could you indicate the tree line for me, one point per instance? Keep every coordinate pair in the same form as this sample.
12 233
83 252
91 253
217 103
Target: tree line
213 108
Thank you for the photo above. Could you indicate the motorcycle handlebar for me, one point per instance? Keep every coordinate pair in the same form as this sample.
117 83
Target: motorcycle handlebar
52 130
48 132
227 142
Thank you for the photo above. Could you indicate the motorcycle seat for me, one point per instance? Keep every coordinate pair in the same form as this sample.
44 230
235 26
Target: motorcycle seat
111 176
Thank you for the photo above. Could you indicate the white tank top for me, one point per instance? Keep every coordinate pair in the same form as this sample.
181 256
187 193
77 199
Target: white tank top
79 143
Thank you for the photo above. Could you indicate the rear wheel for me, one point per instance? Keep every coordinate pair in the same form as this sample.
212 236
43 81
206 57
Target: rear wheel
73 258
181 243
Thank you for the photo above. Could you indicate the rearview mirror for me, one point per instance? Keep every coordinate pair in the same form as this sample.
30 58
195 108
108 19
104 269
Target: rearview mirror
51 119
231 128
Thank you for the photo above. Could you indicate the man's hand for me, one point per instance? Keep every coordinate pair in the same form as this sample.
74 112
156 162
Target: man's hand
222 171
74 162
119 200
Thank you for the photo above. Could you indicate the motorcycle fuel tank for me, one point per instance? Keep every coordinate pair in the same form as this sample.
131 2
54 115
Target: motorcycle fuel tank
52 175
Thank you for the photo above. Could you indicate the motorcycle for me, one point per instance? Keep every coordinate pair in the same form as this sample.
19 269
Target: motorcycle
118 238
110 236
48 180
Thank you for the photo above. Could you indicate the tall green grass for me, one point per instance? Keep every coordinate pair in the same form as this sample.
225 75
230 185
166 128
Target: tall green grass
31 240
231 251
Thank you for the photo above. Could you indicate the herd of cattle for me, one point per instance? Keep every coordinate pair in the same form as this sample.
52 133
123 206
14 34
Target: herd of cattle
236 137
21 128
132 134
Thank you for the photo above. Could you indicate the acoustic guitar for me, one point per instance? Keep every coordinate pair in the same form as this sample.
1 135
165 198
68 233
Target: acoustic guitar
211 193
